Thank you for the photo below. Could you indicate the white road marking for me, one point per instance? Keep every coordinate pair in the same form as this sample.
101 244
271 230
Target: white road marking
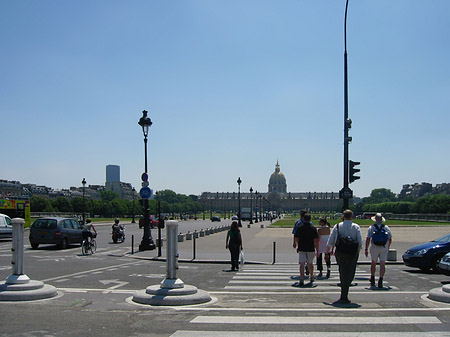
215 333
296 320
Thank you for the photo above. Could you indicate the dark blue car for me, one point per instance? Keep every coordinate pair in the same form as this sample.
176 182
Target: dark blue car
427 255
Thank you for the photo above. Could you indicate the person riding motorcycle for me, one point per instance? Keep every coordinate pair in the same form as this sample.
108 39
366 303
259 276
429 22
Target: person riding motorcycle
118 229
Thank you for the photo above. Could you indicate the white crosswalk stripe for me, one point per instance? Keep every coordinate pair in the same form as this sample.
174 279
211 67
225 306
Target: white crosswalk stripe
257 283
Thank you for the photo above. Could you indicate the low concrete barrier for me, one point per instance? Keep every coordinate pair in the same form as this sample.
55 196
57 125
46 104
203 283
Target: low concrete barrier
392 255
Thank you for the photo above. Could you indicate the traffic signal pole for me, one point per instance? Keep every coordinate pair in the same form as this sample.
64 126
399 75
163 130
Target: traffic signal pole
346 193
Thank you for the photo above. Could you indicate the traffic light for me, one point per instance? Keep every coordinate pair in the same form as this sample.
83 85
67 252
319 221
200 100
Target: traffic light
354 170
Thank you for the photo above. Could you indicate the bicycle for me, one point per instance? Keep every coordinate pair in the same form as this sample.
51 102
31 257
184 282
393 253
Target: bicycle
89 245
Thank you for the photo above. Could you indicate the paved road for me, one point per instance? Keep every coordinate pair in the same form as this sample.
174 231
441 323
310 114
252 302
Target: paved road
259 300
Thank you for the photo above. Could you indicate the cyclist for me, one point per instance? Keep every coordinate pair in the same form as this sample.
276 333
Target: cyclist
87 231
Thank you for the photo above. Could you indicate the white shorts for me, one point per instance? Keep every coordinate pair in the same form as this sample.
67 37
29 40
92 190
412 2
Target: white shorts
379 252
304 257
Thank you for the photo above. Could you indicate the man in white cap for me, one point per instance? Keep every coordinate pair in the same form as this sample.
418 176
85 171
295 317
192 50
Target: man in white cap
381 238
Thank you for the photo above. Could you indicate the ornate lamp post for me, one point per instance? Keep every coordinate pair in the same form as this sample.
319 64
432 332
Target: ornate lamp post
83 182
133 220
147 241
251 206
239 181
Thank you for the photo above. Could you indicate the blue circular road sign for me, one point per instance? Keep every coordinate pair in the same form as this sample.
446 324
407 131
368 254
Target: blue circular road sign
145 193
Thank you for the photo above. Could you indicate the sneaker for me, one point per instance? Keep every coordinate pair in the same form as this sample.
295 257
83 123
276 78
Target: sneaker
328 274
301 283
380 283
320 274
372 281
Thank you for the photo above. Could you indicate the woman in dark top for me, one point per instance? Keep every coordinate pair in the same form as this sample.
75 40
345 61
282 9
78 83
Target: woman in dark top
234 244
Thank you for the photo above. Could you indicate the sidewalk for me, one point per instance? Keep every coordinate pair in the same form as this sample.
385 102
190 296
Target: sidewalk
269 244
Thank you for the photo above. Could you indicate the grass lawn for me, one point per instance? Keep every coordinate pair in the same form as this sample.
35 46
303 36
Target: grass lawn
289 221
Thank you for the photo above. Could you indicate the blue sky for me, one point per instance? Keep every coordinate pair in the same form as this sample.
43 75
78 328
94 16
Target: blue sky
231 87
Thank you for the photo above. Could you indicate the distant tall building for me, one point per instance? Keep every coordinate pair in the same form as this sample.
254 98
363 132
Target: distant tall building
112 173
113 183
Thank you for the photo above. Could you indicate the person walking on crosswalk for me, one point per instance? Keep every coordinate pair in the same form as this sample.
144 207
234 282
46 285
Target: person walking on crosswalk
307 243
234 244
379 238
346 237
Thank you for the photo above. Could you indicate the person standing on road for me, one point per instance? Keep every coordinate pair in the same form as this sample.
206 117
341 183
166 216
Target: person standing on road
346 236
324 233
381 238
307 242
234 244
297 223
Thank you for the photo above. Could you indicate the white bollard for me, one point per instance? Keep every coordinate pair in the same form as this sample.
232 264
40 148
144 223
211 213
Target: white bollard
171 281
18 275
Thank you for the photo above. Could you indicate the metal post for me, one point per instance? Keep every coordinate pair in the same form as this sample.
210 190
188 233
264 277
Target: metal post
194 248
159 229
18 275
132 244
274 252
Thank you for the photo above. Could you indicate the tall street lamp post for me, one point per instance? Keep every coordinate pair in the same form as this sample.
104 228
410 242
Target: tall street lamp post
239 181
133 220
256 206
147 241
83 182
251 205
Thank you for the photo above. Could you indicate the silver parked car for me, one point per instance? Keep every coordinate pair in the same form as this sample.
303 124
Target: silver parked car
5 226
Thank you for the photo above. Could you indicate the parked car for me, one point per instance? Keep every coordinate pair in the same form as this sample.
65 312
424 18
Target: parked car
444 264
59 231
5 226
215 218
427 255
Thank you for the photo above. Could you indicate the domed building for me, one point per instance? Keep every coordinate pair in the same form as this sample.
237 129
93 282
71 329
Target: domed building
275 199
277 181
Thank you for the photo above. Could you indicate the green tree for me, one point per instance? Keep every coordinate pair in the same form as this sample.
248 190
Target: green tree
379 195
38 204
108 195
62 204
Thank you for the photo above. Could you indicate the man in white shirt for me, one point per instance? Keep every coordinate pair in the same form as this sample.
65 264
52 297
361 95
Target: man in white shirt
346 236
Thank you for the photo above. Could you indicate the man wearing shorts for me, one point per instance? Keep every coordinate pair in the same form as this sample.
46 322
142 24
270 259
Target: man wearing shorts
307 243
379 248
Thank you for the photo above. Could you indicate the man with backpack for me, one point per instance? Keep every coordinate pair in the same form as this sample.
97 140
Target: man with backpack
381 238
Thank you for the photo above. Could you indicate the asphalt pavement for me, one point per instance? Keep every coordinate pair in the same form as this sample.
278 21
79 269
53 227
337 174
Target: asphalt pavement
95 292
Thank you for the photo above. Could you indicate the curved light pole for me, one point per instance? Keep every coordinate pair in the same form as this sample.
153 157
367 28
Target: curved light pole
83 182
147 241
346 193
251 206
239 181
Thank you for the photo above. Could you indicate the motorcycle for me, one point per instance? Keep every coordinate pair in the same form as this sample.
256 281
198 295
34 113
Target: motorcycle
118 234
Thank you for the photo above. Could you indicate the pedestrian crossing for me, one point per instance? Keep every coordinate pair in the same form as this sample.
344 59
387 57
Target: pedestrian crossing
284 278
281 309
